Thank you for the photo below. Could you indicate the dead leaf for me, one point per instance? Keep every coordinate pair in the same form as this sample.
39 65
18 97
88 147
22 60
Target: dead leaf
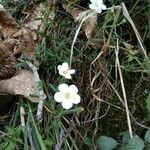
34 19
16 39
12 45
22 84
7 62
26 40
7 24
78 14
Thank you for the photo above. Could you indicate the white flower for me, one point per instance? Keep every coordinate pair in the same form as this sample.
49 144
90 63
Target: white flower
65 71
97 5
67 95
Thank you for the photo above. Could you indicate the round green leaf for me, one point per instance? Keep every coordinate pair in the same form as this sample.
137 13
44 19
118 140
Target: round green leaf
106 143
147 136
135 143
126 137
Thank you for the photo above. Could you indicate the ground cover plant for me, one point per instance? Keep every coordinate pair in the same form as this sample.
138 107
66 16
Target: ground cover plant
83 72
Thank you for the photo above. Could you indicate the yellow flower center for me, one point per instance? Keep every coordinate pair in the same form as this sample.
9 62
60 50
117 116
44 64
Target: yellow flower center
65 71
67 95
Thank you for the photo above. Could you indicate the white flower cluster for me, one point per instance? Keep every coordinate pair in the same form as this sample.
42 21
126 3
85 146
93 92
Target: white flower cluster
97 5
67 95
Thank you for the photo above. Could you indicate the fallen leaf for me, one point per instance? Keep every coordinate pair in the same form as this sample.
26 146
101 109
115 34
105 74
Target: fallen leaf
7 24
33 20
7 62
15 41
26 42
78 14
23 83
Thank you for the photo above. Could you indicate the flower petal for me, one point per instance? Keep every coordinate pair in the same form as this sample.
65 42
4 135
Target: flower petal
73 89
99 10
97 1
65 66
93 1
67 104
103 7
63 87
67 76
92 6
58 97
61 72
72 71
59 67
76 99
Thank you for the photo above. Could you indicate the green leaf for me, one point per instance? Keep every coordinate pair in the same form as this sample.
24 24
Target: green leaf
134 143
37 133
75 110
126 137
48 143
106 143
87 141
147 136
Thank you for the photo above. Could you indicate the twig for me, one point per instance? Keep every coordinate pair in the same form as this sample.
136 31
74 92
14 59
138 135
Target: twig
22 118
123 91
77 32
42 95
61 140
29 129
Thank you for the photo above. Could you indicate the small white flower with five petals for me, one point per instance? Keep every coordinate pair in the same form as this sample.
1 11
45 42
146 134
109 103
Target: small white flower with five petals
67 95
97 5
65 71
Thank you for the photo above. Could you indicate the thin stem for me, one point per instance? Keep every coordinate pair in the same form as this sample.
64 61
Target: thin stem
77 33
124 92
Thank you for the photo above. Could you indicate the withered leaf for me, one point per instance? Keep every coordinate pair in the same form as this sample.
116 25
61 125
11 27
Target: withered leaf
78 14
23 83
7 24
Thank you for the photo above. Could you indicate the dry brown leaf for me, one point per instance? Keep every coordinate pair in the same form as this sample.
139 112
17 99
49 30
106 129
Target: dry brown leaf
78 14
26 42
7 62
22 84
16 39
12 45
34 20
7 24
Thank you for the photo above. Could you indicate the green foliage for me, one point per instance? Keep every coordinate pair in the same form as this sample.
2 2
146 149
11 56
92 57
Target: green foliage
106 143
48 143
126 137
127 143
147 136
37 135
11 140
87 141
134 143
